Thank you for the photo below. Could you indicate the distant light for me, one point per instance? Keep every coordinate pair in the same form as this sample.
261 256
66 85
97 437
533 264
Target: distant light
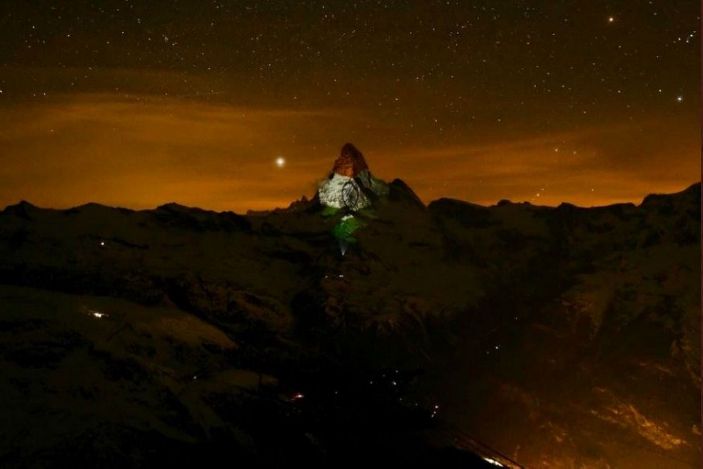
297 396
679 99
102 243
97 314
611 19
493 461
280 162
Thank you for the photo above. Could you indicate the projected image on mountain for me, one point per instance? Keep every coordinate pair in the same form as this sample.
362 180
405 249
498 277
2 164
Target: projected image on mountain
350 234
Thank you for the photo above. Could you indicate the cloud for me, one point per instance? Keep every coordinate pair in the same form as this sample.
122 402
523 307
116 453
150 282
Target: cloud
143 150
595 165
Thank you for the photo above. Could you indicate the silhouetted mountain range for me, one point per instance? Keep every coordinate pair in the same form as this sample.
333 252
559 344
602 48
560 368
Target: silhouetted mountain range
559 336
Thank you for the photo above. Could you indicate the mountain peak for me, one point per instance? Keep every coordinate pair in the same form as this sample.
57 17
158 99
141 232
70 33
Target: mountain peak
20 209
350 185
350 162
692 194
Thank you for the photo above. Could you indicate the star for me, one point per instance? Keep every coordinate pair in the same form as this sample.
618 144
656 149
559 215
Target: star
206 61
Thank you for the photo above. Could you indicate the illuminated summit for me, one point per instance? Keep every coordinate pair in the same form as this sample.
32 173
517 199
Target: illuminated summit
350 184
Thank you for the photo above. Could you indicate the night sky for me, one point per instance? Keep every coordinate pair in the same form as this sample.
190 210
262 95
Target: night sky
244 105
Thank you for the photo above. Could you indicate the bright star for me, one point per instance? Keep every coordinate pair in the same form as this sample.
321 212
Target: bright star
611 19
280 162
679 99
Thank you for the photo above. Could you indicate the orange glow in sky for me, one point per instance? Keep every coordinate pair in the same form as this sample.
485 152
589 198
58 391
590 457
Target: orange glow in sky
245 105
143 152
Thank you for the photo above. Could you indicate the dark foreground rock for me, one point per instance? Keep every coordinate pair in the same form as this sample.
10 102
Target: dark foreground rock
557 336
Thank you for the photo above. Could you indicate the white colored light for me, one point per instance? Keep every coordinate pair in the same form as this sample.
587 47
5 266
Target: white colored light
280 162
493 461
